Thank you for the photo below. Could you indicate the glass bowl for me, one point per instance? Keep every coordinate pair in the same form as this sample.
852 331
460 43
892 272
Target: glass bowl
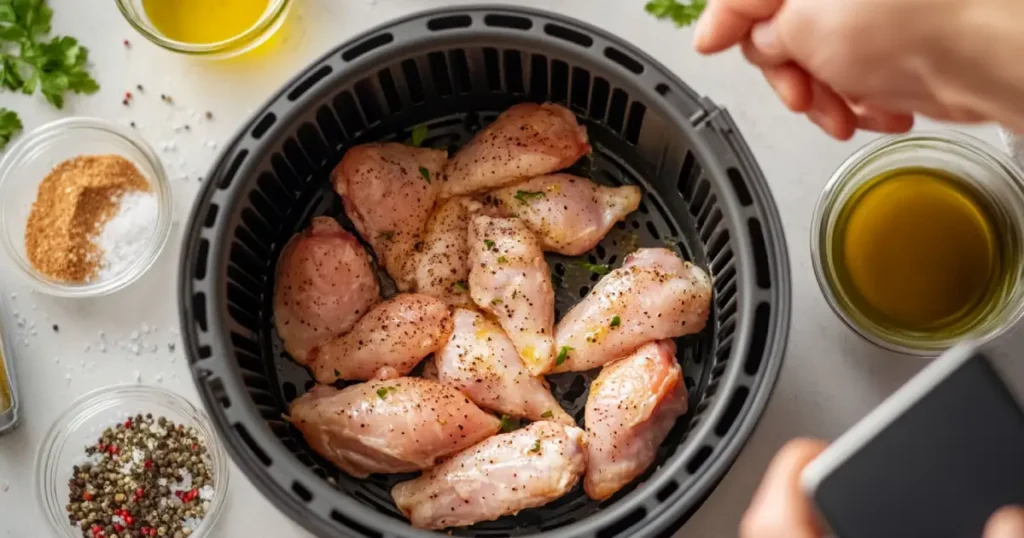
82 425
32 158
256 35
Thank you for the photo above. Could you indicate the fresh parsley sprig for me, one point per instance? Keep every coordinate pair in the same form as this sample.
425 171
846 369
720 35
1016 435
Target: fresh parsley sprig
681 12
10 126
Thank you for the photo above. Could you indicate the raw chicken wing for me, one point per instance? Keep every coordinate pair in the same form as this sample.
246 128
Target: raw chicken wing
481 361
498 477
442 265
570 215
654 295
388 342
509 278
389 191
632 405
525 141
394 426
324 283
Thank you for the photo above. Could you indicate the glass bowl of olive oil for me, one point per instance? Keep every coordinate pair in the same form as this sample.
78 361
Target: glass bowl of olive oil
210 28
917 242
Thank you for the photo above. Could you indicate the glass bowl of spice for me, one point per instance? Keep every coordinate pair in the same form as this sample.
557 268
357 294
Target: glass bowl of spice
218 29
85 207
132 460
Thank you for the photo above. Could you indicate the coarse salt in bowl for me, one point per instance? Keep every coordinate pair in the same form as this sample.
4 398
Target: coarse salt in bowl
82 424
133 237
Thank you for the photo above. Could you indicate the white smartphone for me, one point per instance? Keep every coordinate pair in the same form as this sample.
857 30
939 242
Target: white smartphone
934 460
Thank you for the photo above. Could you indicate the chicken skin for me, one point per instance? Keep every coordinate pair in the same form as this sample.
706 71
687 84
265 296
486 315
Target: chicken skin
653 296
388 342
509 278
500 476
569 214
442 265
394 426
632 405
525 141
389 191
324 283
481 361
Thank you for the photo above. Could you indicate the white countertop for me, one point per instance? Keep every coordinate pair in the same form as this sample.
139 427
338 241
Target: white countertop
831 377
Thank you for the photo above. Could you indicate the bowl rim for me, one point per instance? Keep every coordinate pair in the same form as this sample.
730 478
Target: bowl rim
56 437
271 18
16 157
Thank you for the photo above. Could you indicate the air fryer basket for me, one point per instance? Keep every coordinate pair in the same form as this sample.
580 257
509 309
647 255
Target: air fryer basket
455 70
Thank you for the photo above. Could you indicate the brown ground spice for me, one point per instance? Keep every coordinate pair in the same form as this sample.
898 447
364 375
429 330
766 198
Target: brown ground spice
74 202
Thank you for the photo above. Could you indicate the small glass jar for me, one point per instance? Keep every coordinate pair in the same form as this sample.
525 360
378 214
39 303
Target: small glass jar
265 27
987 170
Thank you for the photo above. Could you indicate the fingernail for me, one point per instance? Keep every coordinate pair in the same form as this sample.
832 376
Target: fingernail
765 37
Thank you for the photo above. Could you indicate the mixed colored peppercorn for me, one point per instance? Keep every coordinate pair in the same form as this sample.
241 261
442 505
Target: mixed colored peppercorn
144 477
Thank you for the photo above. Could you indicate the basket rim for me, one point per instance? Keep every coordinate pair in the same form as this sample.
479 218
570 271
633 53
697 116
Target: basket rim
662 514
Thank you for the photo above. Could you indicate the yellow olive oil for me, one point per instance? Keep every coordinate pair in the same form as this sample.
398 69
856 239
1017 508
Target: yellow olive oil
204 21
919 250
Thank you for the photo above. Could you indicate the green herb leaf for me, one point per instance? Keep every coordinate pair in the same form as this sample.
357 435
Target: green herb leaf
616 321
337 373
386 235
536 446
488 243
460 286
563 354
10 125
547 414
596 268
509 424
419 134
523 196
681 12
425 173
502 259
496 302
382 392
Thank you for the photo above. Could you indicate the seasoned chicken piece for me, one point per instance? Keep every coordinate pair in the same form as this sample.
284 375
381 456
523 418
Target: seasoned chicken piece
388 342
509 278
323 284
498 477
525 141
389 191
393 426
632 405
442 265
654 295
569 214
481 361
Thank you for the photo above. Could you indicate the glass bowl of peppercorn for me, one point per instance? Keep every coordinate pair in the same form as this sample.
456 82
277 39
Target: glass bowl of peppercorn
132 461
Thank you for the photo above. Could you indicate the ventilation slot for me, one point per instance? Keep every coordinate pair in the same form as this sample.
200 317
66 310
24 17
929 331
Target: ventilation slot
670 488
567 34
559 82
271 189
449 22
199 310
298 160
493 66
623 524
685 184
538 77
243 257
254 221
617 110
718 243
361 530
367 99
760 254
580 89
253 447
732 411
312 144
513 68
392 99
236 163
366 46
347 110
211 216
698 459
200 264
623 59
284 172
460 71
635 123
599 99
244 280
705 212
413 81
661 88
740 186
508 21
699 196
440 74
309 82
711 226
265 123
762 317
216 387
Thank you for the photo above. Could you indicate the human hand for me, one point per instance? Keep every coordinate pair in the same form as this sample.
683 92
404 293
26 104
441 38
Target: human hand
780 509
871 64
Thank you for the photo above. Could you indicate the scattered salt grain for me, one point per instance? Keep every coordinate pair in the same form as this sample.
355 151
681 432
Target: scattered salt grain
126 235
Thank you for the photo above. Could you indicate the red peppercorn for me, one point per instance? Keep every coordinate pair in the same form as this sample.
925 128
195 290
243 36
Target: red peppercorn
127 43
128 519
118 527
139 492
112 449
87 496
97 531
144 530
128 423
148 464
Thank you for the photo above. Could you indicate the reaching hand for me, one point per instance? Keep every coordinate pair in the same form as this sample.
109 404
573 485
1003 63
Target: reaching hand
871 64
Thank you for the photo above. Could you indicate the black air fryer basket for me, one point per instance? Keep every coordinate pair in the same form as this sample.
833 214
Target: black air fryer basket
455 70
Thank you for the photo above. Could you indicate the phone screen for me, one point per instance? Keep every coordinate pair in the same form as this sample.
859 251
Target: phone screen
938 469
